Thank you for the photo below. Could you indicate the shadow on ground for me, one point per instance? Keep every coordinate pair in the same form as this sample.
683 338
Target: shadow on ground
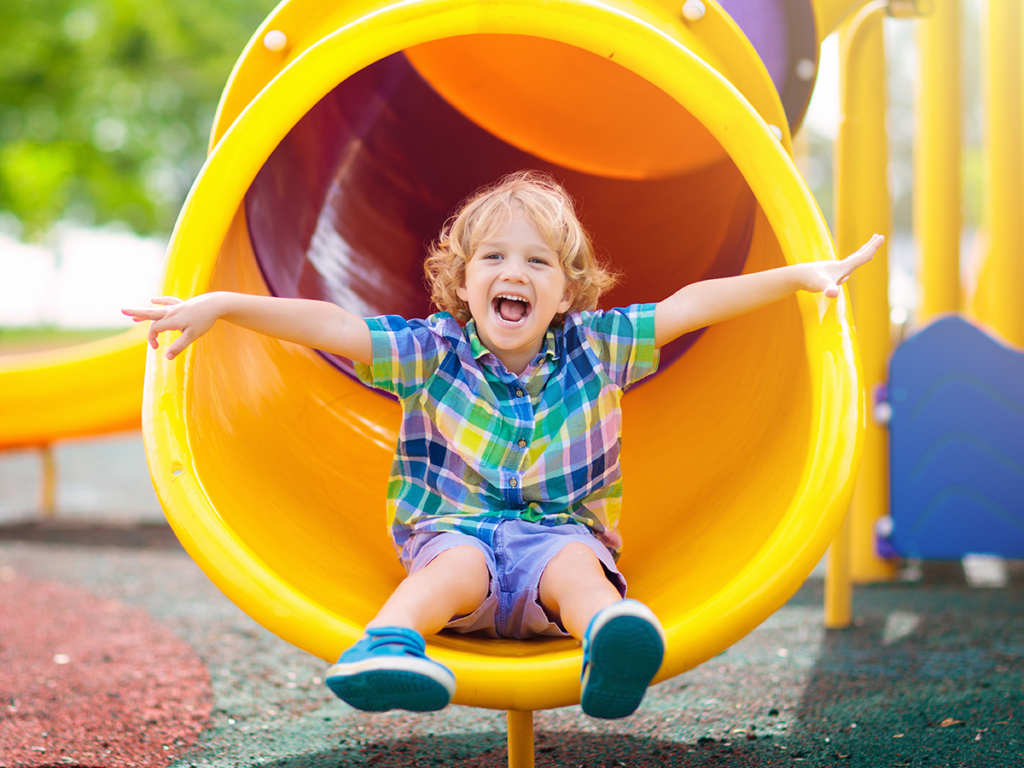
552 749
86 534
930 675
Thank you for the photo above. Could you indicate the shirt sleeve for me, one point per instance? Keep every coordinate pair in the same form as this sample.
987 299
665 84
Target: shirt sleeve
405 354
623 340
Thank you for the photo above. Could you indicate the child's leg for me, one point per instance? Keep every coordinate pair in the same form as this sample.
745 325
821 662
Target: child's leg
453 584
623 643
574 588
389 668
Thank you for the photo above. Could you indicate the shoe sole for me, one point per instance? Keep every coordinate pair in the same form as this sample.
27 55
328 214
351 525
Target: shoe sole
377 685
625 655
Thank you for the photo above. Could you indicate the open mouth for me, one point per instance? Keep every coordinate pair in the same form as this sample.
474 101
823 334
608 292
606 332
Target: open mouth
511 310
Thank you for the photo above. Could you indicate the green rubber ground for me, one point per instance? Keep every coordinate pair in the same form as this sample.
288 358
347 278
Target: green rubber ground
932 674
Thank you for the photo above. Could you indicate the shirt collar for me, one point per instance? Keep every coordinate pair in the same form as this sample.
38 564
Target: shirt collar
550 350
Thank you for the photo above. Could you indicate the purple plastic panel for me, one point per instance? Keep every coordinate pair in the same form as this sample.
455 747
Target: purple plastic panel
347 204
766 25
782 32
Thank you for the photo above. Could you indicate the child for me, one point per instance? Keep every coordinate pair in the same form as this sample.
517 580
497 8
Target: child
505 489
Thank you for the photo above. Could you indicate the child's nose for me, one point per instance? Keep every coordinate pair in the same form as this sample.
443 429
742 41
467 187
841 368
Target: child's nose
514 269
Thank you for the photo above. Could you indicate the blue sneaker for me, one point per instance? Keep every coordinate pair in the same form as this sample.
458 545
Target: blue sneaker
622 651
389 669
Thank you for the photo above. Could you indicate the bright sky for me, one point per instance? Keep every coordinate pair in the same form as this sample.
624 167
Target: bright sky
82 282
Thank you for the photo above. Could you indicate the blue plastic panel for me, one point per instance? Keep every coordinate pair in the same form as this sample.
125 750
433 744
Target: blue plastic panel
956 444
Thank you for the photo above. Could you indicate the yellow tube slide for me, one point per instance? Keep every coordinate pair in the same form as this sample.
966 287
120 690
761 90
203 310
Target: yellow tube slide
87 389
338 156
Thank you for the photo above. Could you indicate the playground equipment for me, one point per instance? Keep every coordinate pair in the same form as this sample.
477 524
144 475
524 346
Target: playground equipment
344 138
957 401
996 300
930 517
862 208
88 389
941 477
953 389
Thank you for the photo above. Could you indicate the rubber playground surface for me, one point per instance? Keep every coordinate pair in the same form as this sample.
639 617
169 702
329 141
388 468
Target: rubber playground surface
115 650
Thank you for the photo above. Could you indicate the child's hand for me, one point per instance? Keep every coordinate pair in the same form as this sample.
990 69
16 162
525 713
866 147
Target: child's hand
827 276
193 318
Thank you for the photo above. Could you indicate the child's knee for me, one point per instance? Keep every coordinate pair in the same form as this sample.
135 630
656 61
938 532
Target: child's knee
464 559
576 554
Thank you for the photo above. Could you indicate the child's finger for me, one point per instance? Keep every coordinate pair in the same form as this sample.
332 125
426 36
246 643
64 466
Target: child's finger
158 326
153 313
867 251
861 256
179 345
166 300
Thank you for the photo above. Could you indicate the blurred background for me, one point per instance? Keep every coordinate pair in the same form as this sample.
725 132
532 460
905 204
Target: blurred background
105 113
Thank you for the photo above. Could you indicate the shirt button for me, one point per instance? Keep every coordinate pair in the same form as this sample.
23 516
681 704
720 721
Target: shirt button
513 482
519 393
522 443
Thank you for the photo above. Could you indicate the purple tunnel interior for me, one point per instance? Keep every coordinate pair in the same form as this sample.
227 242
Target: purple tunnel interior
345 207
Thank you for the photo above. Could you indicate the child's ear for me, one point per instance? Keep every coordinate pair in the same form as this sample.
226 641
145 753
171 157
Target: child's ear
567 299
462 293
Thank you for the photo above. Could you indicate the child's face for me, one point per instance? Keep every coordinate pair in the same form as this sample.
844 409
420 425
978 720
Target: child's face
514 288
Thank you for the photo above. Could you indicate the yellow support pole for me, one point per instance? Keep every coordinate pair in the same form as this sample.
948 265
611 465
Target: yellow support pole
862 209
937 211
1005 158
520 739
48 494
829 14
838 587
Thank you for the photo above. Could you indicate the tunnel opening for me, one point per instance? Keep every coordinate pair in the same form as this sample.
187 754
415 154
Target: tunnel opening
346 206
292 458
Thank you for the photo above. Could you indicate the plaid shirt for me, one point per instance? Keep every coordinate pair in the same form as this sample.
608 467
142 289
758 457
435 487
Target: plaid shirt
479 444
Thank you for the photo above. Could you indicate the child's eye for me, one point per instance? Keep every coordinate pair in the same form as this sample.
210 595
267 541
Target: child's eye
493 256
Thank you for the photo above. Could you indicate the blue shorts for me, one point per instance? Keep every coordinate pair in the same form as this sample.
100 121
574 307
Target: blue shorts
516 555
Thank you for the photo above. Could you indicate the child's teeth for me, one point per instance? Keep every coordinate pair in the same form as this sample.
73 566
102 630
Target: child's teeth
511 309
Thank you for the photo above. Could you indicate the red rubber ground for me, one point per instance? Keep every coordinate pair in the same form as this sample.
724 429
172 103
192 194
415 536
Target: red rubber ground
90 682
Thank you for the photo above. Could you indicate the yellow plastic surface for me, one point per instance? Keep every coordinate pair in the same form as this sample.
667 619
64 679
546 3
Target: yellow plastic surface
997 301
937 157
863 209
738 458
520 739
829 14
87 389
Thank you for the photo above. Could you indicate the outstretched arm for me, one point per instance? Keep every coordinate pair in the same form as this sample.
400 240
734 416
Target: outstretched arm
316 324
710 301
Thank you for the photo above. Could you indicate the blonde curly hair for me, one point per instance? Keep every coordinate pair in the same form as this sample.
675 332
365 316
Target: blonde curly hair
549 208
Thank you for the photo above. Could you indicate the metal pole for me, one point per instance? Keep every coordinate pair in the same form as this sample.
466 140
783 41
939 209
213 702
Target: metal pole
48 492
1004 274
520 739
862 209
937 212
838 588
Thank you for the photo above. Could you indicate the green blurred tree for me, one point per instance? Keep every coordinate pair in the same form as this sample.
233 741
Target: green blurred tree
106 105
